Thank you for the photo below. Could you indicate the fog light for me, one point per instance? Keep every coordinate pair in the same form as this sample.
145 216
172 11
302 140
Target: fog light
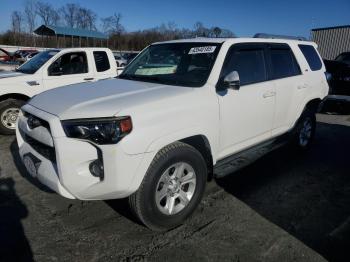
96 168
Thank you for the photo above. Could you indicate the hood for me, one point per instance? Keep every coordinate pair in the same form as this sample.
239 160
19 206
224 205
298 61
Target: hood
7 74
104 98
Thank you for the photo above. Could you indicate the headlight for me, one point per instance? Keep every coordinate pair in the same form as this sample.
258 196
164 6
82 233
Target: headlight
101 131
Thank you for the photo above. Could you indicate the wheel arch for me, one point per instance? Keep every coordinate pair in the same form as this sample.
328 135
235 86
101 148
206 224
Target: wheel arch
313 105
16 96
201 143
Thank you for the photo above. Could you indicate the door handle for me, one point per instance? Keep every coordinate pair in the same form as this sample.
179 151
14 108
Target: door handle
269 94
89 79
302 87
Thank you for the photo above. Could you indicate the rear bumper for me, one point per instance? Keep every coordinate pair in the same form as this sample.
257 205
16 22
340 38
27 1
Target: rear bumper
68 172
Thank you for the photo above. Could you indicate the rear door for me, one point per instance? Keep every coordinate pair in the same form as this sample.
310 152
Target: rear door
102 65
69 68
285 75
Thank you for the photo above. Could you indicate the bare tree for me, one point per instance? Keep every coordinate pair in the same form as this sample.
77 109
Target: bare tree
112 25
200 30
30 16
47 13
69 14
216 31
86 19
17 25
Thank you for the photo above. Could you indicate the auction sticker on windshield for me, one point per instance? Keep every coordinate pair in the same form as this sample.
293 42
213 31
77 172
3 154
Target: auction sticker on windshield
201 50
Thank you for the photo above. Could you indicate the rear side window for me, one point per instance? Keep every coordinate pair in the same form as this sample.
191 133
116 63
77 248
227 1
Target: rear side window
101 61
283 62
311 56
249 63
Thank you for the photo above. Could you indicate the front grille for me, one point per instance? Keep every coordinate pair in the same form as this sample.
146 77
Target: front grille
46 151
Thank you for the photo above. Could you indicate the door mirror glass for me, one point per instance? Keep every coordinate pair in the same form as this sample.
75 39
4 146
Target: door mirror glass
232 80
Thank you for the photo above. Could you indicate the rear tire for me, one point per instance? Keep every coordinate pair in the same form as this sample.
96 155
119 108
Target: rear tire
9 110
172 187
305 130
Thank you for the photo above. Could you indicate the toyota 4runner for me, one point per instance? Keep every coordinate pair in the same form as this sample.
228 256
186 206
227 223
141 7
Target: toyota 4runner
182 112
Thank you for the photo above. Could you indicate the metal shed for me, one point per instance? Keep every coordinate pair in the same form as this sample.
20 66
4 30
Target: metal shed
332 40
70 33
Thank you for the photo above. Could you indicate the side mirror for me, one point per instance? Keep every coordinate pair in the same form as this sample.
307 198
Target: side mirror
232 80
55 70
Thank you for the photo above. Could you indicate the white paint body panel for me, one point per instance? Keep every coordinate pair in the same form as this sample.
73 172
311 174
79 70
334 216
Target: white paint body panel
161 115
14 83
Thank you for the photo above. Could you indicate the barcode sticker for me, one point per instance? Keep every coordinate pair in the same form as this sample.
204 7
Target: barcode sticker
201 50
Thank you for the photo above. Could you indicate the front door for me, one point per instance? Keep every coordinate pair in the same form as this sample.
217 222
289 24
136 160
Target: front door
247 113
69 68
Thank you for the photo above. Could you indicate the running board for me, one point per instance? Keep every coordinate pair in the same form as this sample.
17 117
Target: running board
239 160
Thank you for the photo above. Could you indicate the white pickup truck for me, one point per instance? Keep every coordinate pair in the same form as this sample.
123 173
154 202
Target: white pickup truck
47 70
181 112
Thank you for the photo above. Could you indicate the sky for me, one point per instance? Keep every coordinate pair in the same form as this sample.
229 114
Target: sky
243 17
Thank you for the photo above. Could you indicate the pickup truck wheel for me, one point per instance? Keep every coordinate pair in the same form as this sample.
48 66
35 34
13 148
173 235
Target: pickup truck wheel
305 130
172 188
9 110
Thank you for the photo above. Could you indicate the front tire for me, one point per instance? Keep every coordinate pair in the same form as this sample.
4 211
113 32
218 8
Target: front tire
172 187
9 110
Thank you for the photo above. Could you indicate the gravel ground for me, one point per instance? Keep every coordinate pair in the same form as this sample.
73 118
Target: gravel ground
284 207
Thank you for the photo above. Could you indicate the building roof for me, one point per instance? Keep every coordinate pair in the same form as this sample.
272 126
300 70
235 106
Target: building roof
50 30
332 27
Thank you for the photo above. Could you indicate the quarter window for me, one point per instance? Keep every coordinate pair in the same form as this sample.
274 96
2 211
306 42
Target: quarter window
311 56
283 63
101 61
249 63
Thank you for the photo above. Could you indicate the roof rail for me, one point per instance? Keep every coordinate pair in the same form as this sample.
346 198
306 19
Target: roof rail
263 35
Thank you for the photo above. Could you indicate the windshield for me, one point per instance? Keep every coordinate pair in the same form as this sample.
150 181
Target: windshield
185 64
36 62
345 58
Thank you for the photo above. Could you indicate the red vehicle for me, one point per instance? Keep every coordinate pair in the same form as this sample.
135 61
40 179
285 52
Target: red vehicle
4 55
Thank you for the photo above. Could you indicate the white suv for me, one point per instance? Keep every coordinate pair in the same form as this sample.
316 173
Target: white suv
181 113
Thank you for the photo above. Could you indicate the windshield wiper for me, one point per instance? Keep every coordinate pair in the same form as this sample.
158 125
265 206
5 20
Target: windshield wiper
141 78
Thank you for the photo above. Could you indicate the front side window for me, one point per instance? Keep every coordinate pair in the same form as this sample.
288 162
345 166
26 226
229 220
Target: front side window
248 62
38 61
185 64
101 61
311 56
283 62
69 64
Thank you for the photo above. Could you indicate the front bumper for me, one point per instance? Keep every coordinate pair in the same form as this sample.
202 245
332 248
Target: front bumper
67 170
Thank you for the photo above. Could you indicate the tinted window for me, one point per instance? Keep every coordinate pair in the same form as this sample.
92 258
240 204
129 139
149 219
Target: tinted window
283 63
311 56
101 61
69 64
185 64
249 63
38 61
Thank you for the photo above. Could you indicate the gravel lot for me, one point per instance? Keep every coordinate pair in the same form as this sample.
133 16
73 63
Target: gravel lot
284 207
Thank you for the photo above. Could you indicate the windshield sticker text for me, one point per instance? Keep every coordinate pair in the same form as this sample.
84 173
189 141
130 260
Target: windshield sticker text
201 50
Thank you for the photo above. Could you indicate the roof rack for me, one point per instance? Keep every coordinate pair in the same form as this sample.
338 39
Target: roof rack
263 35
